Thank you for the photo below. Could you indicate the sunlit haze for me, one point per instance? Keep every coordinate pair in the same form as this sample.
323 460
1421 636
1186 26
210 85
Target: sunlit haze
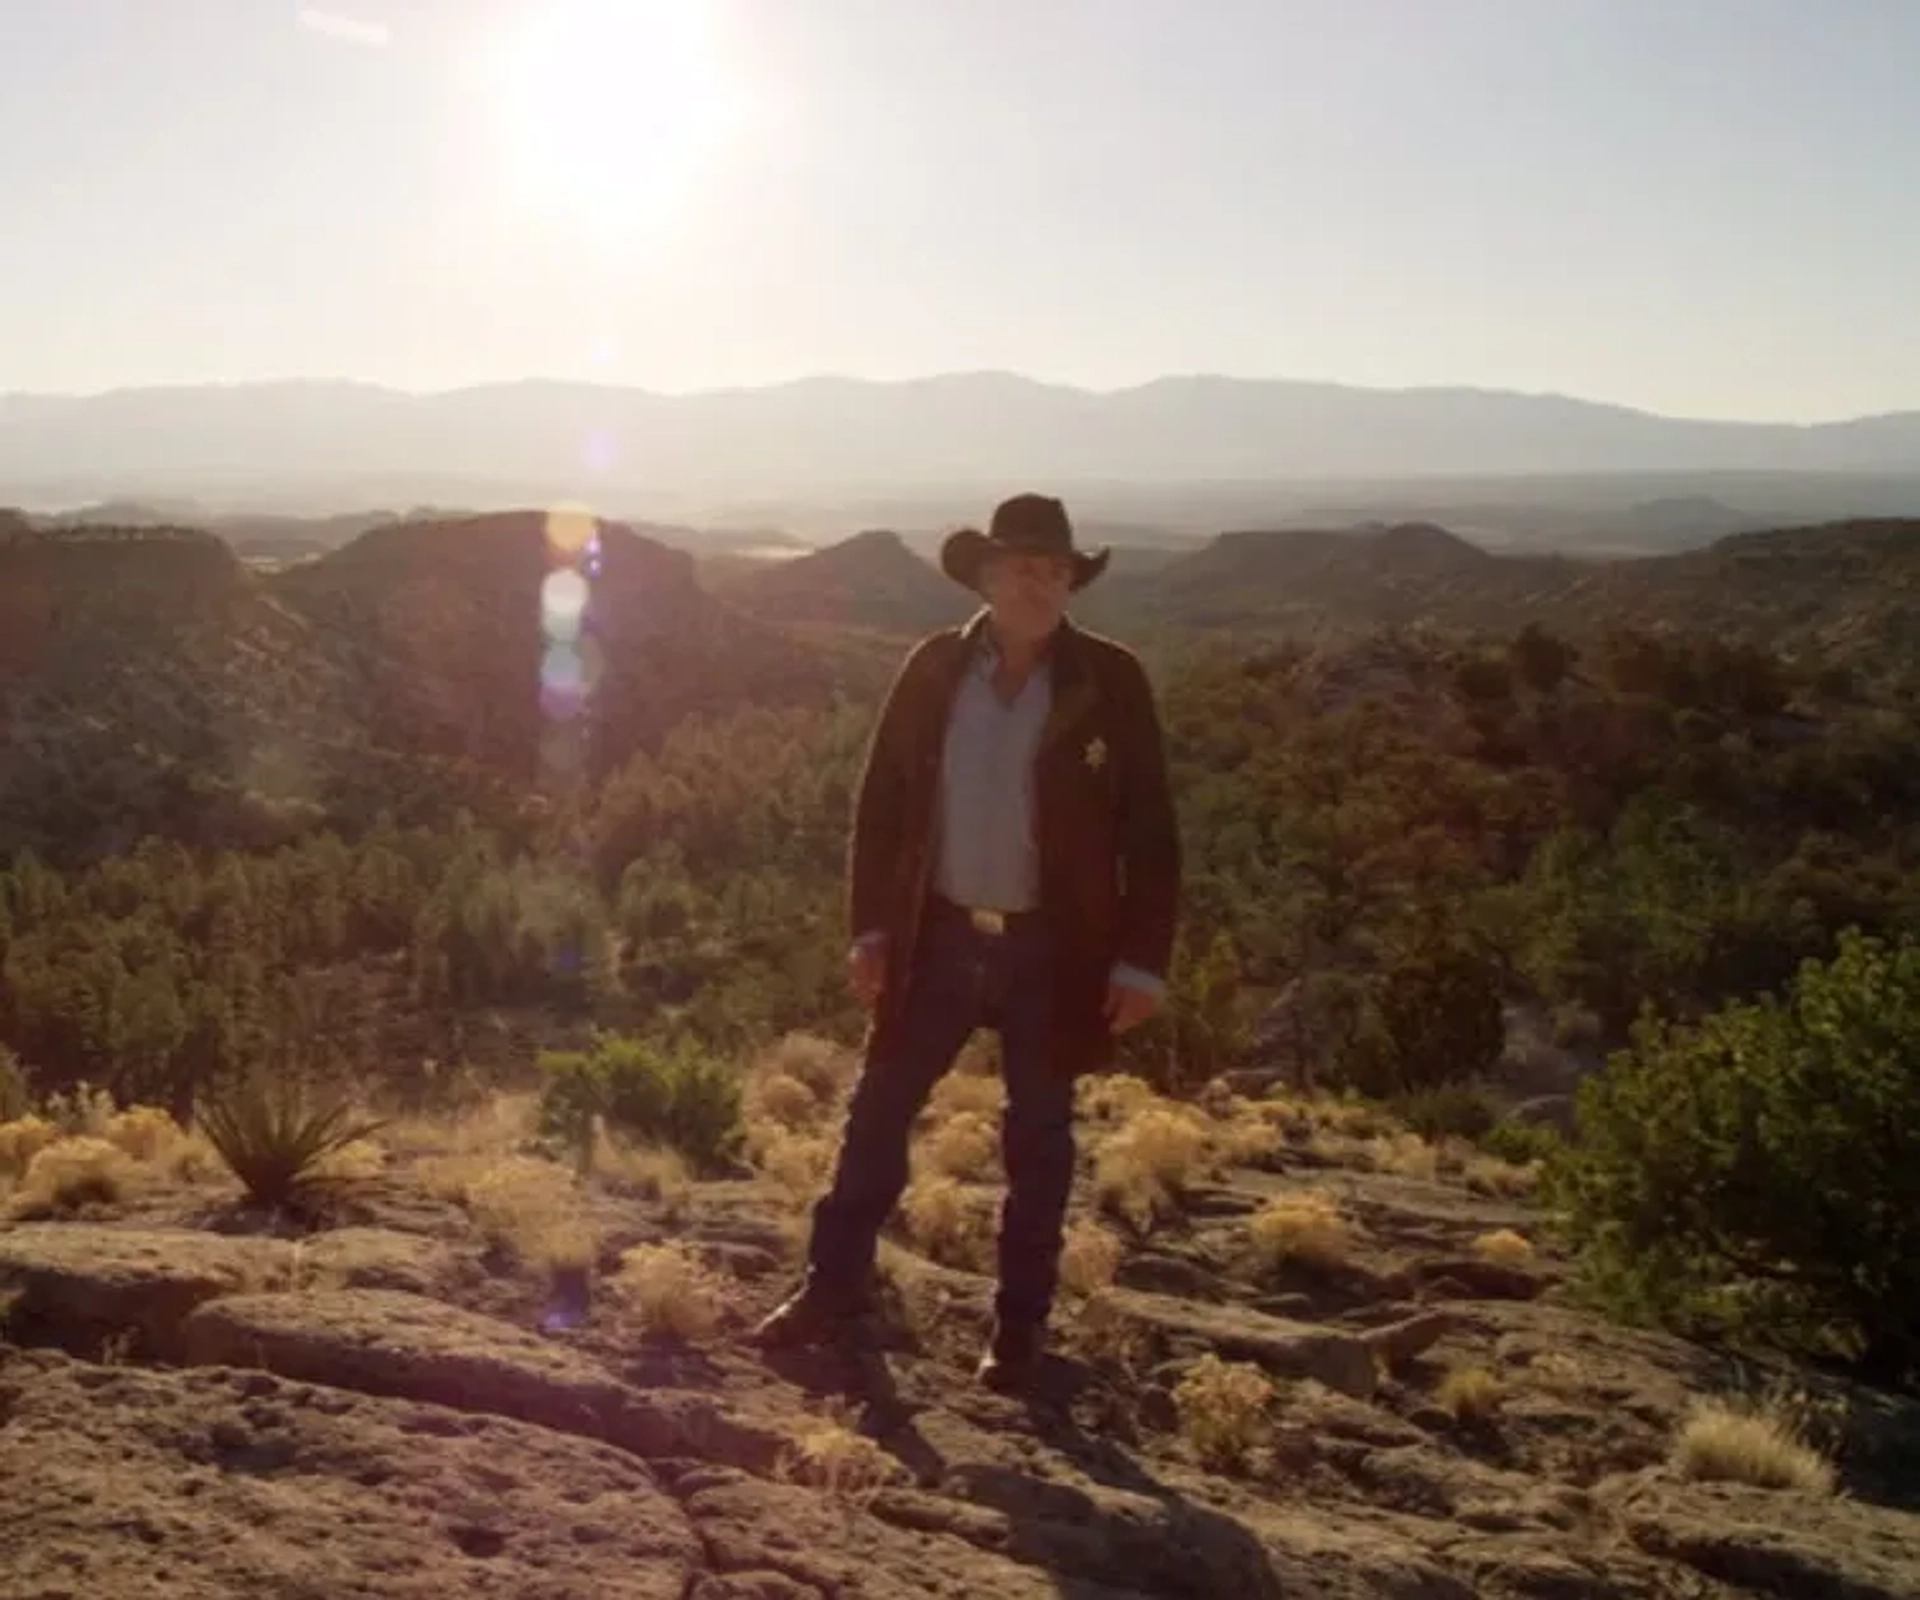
1704 208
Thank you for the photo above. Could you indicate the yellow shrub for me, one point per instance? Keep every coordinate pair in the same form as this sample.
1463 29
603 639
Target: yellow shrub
530 1209
826 1070
1718 1441
1142 1168
73 1172
1089 1257
674 1291
1470 1394
21 1140
955 1223
1222 1409
146 1133
963 1092
1304 1227
964 1145
1113 1096
1505 1248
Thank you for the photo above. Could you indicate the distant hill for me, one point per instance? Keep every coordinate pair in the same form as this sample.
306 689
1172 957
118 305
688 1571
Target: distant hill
550 439
1656 526
148 678
871 580
438 628
1851 588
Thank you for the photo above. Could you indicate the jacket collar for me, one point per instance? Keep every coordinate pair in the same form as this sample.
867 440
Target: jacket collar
1074 691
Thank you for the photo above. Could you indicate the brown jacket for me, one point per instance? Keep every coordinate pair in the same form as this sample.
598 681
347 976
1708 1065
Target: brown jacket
1108 843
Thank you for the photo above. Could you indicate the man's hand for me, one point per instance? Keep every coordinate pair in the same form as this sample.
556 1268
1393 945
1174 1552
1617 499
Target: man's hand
1128 1006
867 971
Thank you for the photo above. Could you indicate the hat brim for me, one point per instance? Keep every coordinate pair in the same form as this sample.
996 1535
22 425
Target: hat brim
965 550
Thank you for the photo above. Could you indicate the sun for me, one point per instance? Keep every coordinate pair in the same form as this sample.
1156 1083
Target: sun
610 109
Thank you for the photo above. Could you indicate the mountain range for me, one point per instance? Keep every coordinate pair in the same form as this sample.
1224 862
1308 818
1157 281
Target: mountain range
534 440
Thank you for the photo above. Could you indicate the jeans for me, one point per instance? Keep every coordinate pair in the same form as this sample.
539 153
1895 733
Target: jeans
962 979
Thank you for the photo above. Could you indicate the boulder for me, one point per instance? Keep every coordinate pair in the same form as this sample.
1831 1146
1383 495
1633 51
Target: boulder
77 1284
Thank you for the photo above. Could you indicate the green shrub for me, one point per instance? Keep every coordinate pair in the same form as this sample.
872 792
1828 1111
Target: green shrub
1521 1142
1758 1174
671 1093
1448 1110
1432 1019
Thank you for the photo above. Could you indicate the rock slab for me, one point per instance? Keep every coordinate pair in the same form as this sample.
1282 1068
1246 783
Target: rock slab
225 1485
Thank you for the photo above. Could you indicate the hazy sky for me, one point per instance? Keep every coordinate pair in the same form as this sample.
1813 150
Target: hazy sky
1707 207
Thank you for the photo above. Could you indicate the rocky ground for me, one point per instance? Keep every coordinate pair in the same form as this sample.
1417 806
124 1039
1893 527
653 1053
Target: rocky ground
1300 1356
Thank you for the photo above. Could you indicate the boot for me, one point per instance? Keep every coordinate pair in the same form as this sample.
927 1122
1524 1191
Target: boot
1011 1360
816 1313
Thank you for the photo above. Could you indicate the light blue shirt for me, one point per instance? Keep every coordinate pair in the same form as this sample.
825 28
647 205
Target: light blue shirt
985 852
986 846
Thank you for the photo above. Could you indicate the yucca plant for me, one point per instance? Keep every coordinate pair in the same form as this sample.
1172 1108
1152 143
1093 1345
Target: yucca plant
273 1133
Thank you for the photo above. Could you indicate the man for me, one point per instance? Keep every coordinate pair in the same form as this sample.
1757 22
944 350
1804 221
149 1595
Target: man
1014 864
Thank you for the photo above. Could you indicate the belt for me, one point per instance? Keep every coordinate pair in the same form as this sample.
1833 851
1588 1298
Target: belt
980 918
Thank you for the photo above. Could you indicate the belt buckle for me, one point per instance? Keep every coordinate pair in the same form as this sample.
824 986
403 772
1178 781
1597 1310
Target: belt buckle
984 921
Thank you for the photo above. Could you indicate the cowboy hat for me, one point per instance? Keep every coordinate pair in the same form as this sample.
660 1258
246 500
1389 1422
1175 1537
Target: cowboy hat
1028 524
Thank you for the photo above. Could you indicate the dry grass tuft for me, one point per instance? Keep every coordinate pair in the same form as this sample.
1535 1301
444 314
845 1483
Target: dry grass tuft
799 1079
1293 1118
449 1156
152 1143
1114 1097
979 1057
73 1172
1105 1335
530 1210
674 1291
953 1222
353 1162
1140 1170
1222 1408
1405 1155
830 1455
1721 1442
146 1133
1470 1394
1502 1180
785 1102
960 1093
1305 1227
1504 1248
21 1140
1089 1257
1243 1134
641 1171
965 1144
792 1097
1353 1118
802 1164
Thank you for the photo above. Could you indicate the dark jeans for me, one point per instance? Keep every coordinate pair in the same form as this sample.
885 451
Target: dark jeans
962 980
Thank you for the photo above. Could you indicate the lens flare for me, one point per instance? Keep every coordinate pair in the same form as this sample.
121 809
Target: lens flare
569 529
563 605
570 662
